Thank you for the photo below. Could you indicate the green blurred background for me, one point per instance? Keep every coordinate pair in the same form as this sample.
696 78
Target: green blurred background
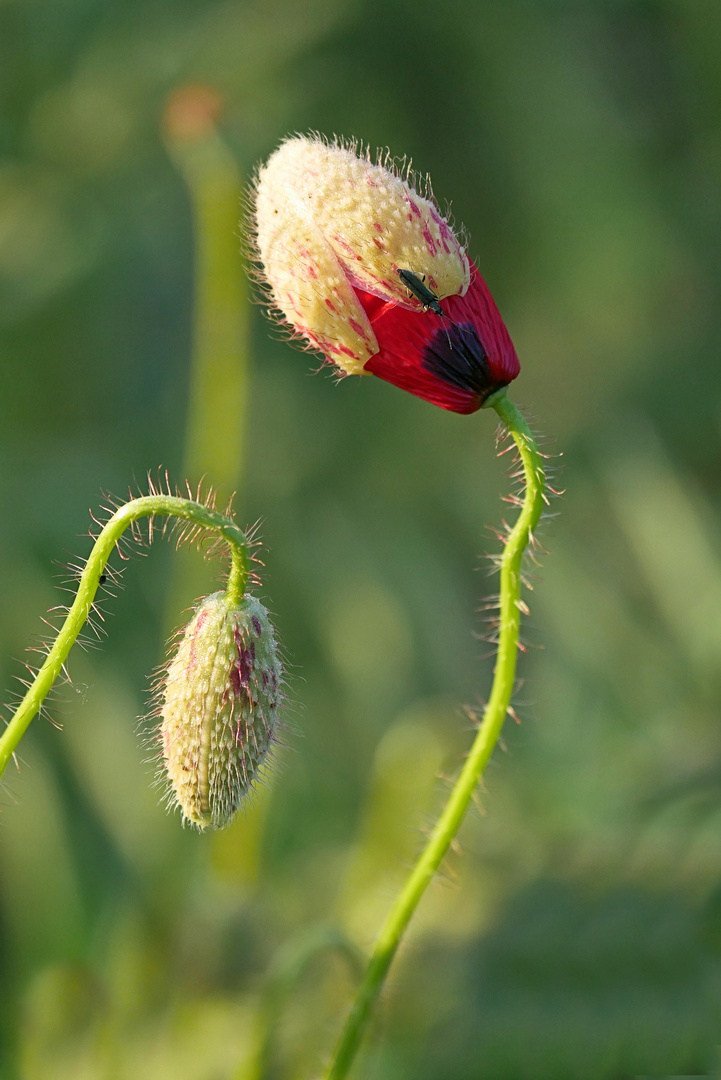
578 932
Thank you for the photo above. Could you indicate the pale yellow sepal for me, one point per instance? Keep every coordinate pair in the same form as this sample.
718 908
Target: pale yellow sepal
329 221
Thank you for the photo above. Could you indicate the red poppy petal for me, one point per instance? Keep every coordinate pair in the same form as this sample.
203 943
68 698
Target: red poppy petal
455 361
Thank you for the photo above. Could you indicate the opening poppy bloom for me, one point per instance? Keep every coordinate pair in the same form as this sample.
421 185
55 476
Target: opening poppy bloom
367 270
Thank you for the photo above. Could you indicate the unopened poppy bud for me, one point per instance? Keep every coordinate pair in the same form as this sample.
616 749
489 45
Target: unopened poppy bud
219 703
368 271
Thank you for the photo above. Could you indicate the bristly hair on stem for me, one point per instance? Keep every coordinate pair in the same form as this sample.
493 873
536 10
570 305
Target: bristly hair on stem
487 738
490 605
192 519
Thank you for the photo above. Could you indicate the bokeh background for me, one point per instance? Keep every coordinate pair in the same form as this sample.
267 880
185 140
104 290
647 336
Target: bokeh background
577 933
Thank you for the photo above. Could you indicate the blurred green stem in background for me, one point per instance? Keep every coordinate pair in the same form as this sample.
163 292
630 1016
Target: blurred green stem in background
217 406
201 518
289 965
488 734
215 437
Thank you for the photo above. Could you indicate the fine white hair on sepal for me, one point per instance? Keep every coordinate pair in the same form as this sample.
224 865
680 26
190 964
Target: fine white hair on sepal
328 220
218 701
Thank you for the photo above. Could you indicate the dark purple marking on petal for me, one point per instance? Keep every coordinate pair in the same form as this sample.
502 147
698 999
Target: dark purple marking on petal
455 355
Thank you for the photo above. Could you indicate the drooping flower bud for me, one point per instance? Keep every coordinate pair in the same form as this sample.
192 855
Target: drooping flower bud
368 271
219 701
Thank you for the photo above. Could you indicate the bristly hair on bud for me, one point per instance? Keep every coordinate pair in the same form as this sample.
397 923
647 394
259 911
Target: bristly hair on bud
218 701
367 270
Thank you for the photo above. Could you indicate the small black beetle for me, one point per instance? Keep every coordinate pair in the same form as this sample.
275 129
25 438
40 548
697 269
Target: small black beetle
421 292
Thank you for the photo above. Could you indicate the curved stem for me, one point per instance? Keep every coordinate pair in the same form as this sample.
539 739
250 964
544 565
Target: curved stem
488 733
149 505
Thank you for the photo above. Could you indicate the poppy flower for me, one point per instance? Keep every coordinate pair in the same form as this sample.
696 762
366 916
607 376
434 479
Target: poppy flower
366 270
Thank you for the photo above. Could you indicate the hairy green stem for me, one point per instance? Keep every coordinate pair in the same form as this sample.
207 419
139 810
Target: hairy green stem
489 731
148 506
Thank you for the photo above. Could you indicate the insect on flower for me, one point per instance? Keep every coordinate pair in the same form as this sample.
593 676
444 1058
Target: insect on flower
429 299
335 234
414 284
